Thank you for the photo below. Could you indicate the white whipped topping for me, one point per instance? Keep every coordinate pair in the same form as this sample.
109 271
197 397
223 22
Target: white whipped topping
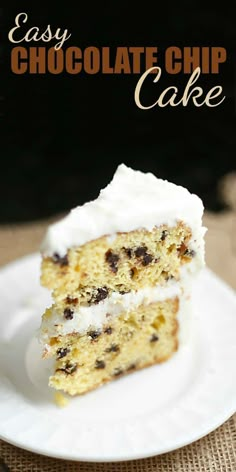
96 316
131 201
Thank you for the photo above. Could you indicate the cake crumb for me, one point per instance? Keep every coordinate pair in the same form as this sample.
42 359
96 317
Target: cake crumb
60 400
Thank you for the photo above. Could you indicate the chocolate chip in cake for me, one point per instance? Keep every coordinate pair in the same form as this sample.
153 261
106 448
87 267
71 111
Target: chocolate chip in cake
128 252
183 250
94 334
62 260
190 253
147 259
69 368
113 348
140 251
100 364
101 294
154 338
131 367
112 259
68 314
117 372
164 235
71 301
108 330
62 352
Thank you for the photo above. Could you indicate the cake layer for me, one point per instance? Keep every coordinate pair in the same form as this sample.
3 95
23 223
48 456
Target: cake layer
131 201
83 319
127 343
128 261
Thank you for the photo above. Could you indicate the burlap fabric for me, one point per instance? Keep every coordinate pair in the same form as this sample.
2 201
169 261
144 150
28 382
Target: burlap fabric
215 452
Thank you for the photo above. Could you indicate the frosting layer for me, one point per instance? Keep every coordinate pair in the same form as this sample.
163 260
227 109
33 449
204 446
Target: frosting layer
95 316
131 201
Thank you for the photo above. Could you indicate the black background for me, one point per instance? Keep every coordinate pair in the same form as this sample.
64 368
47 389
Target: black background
62 136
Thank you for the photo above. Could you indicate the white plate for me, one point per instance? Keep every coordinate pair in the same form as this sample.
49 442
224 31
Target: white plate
146 413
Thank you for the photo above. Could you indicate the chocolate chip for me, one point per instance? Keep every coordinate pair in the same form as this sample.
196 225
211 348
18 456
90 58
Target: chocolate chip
184 251
101 294
69 368
147 259
112 259
154 338
68 314
140 251
128 252
100 364
123 292
57 259
190 253
108 330
163 235
94 334
62 352
113 348
131 367
71 301
118 372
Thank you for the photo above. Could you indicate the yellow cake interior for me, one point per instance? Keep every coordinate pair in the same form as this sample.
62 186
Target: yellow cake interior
129 342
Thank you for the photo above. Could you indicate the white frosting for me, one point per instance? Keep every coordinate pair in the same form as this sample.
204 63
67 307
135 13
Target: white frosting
131 201
95 316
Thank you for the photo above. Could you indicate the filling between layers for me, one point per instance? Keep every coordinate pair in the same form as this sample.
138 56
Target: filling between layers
87 317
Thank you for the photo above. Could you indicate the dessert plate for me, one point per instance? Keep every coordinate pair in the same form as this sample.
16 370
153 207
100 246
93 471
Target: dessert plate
146 413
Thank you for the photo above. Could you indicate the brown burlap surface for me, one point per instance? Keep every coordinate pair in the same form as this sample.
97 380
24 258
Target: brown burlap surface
216 452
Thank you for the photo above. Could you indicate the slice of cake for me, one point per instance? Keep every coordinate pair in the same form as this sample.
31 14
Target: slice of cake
118 268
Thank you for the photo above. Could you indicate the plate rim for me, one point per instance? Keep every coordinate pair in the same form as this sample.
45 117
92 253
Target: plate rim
131 457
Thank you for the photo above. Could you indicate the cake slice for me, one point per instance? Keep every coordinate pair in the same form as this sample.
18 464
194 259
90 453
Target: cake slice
119 268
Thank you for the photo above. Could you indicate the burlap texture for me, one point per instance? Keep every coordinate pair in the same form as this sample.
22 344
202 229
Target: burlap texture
215 452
